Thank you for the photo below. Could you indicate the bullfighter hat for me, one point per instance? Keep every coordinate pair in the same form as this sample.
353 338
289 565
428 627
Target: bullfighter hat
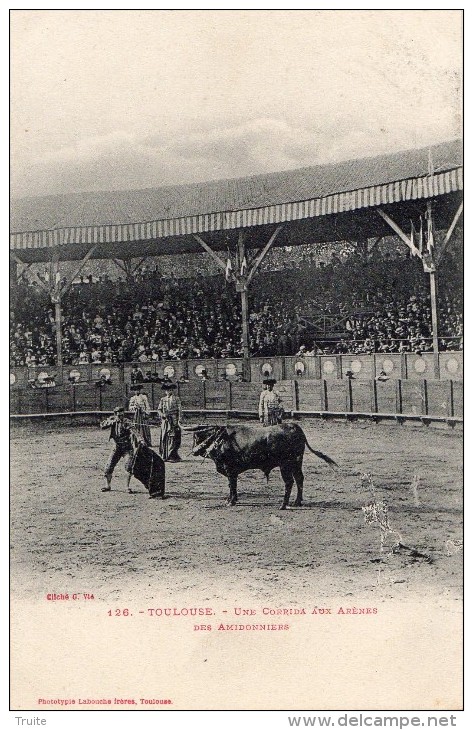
119 409
137 386
168 386
269 381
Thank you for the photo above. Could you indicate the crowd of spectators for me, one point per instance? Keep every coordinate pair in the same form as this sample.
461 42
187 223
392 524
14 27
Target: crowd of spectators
375 304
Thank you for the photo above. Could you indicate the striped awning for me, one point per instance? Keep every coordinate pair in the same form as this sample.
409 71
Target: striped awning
429 186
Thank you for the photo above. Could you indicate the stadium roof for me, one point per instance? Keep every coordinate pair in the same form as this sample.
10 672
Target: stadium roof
163 220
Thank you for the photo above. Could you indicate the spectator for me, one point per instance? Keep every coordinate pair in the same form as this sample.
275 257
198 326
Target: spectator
137 375
381 306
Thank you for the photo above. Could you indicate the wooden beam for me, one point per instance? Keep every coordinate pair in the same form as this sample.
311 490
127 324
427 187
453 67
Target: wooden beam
453 224
240 257
262 254
375 244
433 310
216 258
127 263
251 260
54 266
245 332
145 256
55 294
448 235
404 238
135 269
17 259
119 265
25 269
58 322
77 271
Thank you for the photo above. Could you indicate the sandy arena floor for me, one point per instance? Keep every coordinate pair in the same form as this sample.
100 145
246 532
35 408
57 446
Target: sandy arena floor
65 532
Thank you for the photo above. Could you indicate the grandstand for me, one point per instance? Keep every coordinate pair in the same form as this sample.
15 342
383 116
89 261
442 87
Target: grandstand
360 299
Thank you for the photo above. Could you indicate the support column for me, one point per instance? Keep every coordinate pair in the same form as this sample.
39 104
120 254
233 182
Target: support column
55 291
430 252
245 333
433 309
55 294
58 319
13 272
242 280
243 289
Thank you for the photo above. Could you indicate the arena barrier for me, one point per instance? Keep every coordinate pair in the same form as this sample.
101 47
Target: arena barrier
408 366
419 398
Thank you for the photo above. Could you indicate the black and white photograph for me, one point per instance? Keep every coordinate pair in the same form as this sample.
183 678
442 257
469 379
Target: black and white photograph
236 361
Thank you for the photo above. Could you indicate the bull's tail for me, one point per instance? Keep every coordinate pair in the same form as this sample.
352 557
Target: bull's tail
320 454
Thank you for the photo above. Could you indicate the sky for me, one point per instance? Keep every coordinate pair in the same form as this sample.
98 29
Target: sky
109 100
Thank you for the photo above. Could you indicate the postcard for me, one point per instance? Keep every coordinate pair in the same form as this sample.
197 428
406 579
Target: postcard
236 360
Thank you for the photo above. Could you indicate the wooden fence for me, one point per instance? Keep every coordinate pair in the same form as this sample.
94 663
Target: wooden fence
396 397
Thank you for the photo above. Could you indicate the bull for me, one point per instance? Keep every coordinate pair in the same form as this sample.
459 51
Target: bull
237 448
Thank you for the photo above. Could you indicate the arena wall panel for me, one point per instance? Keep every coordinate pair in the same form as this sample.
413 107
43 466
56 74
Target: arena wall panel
438 398
86 397
33 401
293 362
15 400
145 367
391 363
273 366
192 395
116 372
362 366
457 398
420 367
386 396
310 395
230 368
157 393
127 368
59 378
51 370
195 367
245 396
330 367
305 367
112 396
216 395
337 396
285 390
405 366
361 396
18 377
451 365
83 371
59 399
313 367
174 369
